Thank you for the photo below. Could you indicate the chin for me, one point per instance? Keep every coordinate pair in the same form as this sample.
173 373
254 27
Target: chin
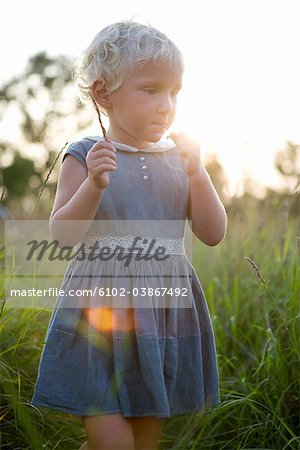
156 137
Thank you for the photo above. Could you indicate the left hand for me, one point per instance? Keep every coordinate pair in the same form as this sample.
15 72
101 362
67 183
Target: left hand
189 152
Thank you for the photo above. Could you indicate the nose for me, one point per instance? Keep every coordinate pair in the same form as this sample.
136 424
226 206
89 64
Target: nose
166 104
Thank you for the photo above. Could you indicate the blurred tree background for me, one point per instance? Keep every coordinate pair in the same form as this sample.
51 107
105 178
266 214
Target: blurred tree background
40 108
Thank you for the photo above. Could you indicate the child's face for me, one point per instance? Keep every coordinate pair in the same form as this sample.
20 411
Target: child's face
144 107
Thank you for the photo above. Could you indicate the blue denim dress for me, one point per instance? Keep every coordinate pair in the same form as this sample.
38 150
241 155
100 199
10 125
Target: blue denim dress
153 361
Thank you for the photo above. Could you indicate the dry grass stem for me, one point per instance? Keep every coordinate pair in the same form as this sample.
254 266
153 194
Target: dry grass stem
256 268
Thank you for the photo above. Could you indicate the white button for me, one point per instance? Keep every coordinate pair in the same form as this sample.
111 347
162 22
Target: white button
145 177
142 158
144 167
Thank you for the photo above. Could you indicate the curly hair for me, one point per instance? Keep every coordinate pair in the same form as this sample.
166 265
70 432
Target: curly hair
119 49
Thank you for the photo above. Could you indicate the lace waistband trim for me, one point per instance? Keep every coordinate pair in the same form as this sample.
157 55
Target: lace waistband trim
133 244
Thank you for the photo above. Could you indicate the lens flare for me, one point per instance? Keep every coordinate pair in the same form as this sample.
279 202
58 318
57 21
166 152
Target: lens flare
107 319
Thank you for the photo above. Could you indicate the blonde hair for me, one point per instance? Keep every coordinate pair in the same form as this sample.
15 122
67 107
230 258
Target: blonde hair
119 49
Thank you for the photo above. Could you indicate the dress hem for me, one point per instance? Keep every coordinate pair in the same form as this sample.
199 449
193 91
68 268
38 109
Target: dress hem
126 414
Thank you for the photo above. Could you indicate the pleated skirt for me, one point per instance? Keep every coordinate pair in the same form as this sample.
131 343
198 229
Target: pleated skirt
145 353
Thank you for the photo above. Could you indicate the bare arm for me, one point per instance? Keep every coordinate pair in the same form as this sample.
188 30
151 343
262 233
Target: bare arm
79 193
207 213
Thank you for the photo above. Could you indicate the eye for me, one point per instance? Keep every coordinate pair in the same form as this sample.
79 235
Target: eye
150 91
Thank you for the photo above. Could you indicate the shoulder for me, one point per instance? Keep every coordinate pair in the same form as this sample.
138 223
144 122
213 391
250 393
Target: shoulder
79 149
84 143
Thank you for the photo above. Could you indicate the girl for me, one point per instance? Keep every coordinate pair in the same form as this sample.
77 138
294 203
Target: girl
125 369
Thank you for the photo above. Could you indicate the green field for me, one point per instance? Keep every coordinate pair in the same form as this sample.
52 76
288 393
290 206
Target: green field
251 281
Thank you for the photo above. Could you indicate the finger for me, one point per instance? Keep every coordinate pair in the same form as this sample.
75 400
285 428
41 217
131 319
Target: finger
103 145
104 168
174 137
178 138
96 167
183 151
100 152
103 160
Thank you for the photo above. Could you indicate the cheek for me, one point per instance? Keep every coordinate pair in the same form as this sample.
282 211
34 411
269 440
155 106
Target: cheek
141 108
173 114
142 101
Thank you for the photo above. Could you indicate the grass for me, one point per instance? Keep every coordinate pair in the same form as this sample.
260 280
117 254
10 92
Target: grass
252 285
254 303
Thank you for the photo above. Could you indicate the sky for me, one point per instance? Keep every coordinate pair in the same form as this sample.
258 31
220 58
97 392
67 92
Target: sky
240 97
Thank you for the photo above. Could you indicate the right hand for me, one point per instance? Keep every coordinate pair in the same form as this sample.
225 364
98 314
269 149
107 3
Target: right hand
101 159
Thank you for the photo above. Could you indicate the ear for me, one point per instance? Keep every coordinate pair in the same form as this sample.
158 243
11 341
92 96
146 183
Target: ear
100 93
